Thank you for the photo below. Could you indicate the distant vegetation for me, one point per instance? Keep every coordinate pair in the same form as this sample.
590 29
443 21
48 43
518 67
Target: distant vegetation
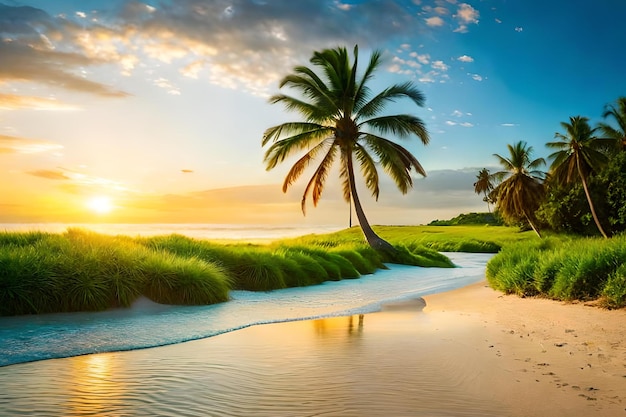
492 219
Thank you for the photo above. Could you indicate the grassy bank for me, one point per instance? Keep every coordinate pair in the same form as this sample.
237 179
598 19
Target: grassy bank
563 269
84 271
470 238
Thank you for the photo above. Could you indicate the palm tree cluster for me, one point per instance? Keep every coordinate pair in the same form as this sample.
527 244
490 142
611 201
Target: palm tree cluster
585 161
343 122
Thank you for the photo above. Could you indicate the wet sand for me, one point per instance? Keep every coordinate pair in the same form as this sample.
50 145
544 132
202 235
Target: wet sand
469 352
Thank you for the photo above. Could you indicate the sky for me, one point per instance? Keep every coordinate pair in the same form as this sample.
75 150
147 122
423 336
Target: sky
153 112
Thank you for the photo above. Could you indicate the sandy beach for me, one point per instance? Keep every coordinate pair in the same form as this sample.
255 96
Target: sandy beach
468 352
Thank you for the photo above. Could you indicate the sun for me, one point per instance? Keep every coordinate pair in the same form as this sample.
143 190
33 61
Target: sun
100 204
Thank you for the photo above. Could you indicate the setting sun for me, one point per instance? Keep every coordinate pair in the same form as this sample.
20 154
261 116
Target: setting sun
100 204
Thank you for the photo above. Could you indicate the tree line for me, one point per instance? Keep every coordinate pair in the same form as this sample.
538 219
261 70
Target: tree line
584 189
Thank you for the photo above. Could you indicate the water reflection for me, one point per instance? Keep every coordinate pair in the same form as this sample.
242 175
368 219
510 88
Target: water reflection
335 326
91 385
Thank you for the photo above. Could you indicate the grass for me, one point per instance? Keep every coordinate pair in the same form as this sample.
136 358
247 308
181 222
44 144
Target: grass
83 271
474 239
563 269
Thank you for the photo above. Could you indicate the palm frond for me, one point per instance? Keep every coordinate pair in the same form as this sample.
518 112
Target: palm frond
298 168
401 125
368 168
317 181
283 148
345 178
274 133
362 92
395 160
389 95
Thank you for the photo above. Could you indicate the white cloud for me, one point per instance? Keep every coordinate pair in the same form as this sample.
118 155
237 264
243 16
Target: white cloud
509 124
434 21
422 59
81 14
451 123
439 65
465 15
457 113
476 77
467 124
465 58
167 85
519 29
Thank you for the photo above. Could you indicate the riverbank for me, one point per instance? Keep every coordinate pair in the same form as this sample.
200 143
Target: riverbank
468 352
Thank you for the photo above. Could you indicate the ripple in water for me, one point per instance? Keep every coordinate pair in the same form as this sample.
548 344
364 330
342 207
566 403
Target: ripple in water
355 366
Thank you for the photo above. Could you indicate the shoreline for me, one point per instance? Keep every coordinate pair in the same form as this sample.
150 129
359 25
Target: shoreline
466 352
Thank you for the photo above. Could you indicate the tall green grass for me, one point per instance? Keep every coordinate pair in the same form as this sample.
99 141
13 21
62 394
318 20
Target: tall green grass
565 269
84 271
80 270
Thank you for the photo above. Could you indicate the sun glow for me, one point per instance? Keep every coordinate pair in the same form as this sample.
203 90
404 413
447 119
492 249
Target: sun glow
100 204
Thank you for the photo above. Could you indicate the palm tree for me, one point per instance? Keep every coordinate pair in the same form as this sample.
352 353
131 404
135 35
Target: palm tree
484 185
578 154
521 189
618 114
342 122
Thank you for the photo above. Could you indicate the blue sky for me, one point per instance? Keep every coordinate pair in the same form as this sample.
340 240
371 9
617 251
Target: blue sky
158 107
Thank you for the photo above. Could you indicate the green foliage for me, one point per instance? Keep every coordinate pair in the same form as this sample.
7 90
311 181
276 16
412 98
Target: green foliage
183 281
467 219
564 269
614 292
80 270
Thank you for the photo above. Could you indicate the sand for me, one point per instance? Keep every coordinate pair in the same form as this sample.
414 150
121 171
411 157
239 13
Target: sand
468 352
541 357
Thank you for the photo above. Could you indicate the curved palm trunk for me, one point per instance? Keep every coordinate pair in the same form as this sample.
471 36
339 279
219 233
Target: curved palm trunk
593 210
532 225
372 238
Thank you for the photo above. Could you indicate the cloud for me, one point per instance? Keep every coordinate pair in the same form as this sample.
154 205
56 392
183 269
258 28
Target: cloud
186 171
439 65
434 21
465 16
11 144
476 77
466 124
509 124
519 29
457 113
49 174
167 85
243 44
15 102
465 58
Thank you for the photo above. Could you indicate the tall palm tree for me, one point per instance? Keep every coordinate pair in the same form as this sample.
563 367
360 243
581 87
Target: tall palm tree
484 185
578 154
618 114
521 189
343 122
